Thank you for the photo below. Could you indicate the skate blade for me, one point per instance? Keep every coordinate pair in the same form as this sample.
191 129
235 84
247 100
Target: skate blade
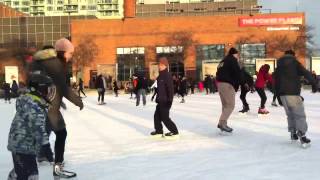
160 136
305 145
224 133
175 137
263 115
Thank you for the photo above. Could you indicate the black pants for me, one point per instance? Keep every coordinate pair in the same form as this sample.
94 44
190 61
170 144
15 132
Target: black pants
81 90
276 97
162 115
243 95
25 167
60 143
263 97
116 92
7 96
101 95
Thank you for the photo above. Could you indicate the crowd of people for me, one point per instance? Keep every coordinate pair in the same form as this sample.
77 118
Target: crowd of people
38 106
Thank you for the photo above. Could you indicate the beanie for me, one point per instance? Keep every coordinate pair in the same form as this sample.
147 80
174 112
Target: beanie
64 44
164 61
233 51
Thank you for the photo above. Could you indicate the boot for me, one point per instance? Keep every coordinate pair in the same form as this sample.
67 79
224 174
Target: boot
245 109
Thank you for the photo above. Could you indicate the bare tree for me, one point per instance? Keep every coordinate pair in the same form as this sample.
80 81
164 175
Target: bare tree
85 52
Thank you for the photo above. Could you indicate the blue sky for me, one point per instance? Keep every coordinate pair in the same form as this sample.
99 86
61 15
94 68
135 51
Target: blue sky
310 7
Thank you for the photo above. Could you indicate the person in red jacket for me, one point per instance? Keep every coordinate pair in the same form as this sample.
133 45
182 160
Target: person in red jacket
262 78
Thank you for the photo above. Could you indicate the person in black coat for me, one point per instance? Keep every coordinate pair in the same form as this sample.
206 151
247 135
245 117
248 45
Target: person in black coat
248 85
165 93
101 86
115 88
288 86
141 90
81 88
14 88
54 63
229 79
7 95
182 88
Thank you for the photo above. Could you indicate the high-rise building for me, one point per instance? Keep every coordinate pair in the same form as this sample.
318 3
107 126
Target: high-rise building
195 7
104 9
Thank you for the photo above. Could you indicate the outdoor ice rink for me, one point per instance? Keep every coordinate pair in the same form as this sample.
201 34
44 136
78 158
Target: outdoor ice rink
112 142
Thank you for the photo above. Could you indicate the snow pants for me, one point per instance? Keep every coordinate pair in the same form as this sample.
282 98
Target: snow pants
25 167
296 116
227 96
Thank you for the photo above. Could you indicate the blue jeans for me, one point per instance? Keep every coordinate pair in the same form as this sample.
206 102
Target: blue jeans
25 167
141 92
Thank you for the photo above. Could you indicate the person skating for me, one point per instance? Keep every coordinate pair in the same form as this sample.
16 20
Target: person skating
115 88
165 93
54 63
275 97
7 92
182 90
101 86
155 89
245 88
27 132
81 88
141 90
14 89
228 77
263 78
288 86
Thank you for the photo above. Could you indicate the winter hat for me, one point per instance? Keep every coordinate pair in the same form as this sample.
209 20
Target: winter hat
233 51
164 61
291 52
64 44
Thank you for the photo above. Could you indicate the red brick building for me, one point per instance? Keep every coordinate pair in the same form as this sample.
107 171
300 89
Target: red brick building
134 44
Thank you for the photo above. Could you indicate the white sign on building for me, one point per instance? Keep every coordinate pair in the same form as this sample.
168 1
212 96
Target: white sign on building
315 64
11 73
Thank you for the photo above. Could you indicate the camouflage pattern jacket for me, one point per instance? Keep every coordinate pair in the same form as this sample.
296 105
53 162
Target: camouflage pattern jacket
27 133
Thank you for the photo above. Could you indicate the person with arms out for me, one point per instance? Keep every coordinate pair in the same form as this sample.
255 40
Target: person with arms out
54 63
164 98
81 88
228 77
288 87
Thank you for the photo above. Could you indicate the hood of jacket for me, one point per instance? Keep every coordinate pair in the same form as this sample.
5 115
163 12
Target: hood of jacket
285 60
45 54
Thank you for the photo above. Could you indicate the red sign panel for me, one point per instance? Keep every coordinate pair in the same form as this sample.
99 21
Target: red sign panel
270 21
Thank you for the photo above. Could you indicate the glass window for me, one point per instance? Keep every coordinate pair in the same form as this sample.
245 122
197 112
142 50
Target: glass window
130 61
249 53
213 53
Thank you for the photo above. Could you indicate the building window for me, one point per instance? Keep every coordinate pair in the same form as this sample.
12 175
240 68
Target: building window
50 8
208 57
83 7
174 54
249 53
130 61
50 2
60 8
16 3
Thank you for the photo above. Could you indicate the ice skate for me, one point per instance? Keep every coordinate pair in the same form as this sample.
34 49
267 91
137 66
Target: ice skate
225 130
274 104
182 101
171 136
263 111
305 142
294 137
244 110
156 135
59 172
